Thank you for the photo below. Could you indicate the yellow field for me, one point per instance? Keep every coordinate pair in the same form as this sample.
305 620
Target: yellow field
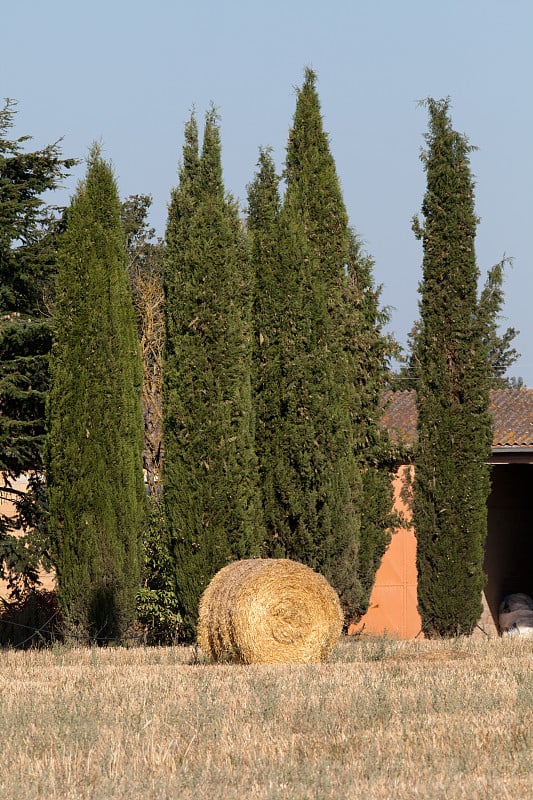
383 719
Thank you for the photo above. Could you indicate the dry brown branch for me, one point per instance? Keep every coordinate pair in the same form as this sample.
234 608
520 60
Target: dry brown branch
148 298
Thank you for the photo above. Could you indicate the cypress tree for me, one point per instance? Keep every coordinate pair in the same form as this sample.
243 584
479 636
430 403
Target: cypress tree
210 470
321 365
95 430
453 377
314 478
264 205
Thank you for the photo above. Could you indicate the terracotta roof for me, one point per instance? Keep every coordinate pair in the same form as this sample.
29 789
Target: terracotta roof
400 415
512 413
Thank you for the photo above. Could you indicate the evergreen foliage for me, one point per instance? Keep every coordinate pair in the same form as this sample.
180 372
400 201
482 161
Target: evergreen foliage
312 332
157 604
500 350
499 345
210 470
453 379
27 262
370 352
95 433
268 301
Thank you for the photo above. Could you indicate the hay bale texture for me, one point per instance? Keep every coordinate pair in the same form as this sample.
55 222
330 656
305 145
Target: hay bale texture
269 611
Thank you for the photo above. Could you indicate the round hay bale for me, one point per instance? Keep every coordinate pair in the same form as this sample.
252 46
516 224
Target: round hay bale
269 611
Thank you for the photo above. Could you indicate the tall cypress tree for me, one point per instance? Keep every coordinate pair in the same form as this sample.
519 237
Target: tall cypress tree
95 430
264 206
453 378
321 364
314 484
210 470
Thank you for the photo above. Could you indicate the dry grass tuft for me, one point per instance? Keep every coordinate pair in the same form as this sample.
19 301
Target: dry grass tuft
269 611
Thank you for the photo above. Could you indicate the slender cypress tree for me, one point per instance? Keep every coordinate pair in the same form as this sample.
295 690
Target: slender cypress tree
453 378
210 471
268 299
321 363
95 429
314 484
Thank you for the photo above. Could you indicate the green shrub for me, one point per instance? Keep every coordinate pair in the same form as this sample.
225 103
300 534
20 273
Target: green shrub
157 604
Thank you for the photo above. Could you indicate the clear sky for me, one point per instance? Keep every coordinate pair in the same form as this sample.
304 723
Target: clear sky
128 72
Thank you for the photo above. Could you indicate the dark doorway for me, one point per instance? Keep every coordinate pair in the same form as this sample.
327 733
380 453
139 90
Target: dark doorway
509 548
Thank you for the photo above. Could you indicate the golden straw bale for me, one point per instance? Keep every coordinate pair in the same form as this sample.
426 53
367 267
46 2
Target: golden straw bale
269 611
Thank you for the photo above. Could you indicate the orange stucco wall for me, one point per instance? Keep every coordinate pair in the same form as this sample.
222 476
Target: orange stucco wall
393 602
7 509
6 504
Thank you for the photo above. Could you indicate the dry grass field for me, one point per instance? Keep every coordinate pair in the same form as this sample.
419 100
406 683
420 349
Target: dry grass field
383 719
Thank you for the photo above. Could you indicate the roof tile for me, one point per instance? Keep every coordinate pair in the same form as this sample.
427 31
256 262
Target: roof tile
512 413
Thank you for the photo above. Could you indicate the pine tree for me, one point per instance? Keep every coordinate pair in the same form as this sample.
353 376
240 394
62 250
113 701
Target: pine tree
453 378
210 471
95 431
27 262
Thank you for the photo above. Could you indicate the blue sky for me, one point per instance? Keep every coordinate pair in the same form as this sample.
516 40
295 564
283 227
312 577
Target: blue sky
127 73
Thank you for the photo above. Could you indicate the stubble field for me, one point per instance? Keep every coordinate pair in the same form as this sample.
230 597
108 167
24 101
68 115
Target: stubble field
382 719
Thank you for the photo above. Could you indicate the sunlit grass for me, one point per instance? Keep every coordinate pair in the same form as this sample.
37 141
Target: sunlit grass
383 719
